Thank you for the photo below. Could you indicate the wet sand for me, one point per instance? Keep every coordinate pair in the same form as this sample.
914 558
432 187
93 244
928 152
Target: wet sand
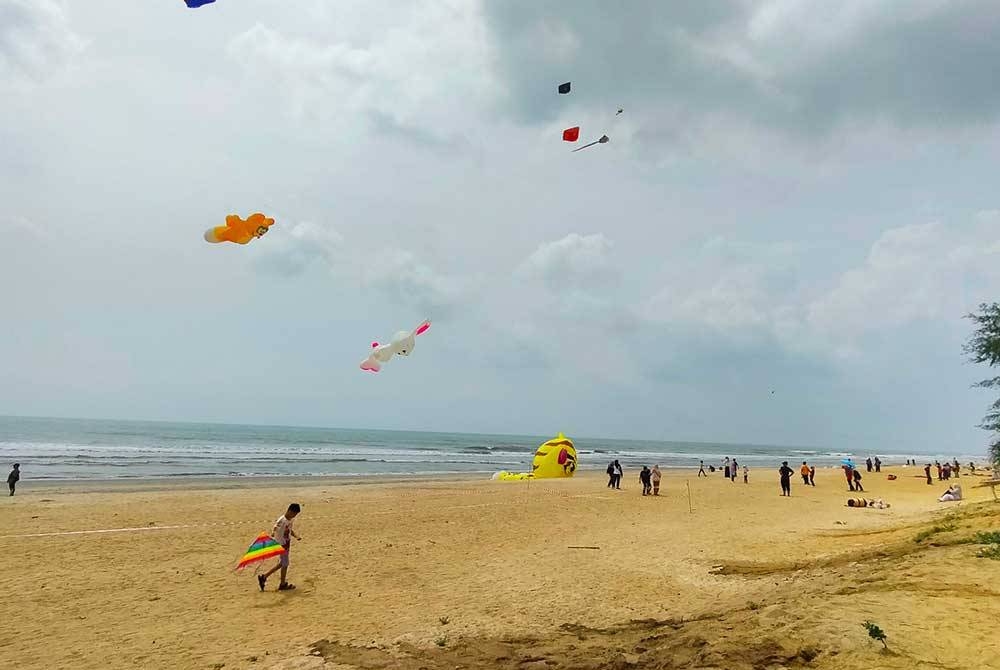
480 574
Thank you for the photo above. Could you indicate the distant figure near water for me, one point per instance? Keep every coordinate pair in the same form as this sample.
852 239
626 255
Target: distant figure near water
645 477
655 477
786 478
701 469
14 477
804 471
927 472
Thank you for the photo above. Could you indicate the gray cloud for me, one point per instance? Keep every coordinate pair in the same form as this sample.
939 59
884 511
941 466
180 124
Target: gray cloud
35 38
788 65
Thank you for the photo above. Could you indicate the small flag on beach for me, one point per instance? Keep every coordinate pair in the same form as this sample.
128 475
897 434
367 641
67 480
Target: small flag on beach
263 548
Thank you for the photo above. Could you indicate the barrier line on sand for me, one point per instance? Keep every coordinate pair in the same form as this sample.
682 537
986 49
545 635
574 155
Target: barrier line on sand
139 529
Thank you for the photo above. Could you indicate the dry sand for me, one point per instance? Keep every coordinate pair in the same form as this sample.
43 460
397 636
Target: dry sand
482 574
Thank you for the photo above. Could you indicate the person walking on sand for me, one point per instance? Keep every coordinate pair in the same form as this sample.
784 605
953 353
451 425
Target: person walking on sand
14 477
786 478
878 464
655 477
849 473
644 477
812 475
857 481
611 475
733 470
725 468
283 533
804 471
701 469
746 475
868 463
618 475
927 472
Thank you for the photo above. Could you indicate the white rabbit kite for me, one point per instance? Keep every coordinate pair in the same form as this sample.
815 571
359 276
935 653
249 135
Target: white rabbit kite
402 344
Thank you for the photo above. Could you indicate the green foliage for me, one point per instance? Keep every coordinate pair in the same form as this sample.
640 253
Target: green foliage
875 633
983 346
988 537
753 605
441 641
989 551
946 526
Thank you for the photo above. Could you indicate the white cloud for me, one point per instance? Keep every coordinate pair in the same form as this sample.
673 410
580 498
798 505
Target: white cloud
35 38
575 261
420 73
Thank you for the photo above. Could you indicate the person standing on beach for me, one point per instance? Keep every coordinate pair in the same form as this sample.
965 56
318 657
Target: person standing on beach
937 464
611 475
618 475
868 463
857 481
812 475
655 477
946 469
927 471
725 468
804 471
878 464
746 475
701 469
283 533
955 467
14 477
786 479
849 473
733 471
644 478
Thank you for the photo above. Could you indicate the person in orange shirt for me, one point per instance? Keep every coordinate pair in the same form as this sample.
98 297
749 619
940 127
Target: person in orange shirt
804 471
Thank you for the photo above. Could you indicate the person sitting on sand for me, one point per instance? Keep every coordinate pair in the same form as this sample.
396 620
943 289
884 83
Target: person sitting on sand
877 503
804 471
954 492
14 477
785 473
283 533
857 480
654 476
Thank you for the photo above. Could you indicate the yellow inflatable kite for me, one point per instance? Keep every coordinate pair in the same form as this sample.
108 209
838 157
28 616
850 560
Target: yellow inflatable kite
239 231
554 459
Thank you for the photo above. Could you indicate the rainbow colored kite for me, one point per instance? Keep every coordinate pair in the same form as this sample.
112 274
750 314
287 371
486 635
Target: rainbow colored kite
263 548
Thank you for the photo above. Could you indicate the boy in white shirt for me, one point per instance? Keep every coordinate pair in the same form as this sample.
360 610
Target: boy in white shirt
283 533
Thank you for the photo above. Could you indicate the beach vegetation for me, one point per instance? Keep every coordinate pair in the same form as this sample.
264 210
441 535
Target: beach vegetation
875 633
991 540
441 641
946 526
983 346
754 605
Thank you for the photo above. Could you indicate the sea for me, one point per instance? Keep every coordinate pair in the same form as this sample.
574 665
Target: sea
85 449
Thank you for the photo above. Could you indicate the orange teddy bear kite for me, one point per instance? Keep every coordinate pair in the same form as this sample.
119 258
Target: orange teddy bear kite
239 231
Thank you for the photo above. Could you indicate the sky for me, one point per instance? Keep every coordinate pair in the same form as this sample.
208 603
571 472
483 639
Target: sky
797 206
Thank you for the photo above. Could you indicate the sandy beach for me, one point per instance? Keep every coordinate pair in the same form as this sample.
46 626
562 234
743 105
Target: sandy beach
481 574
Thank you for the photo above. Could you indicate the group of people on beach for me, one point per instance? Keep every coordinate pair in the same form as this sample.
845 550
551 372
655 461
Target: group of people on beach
649 478
730 469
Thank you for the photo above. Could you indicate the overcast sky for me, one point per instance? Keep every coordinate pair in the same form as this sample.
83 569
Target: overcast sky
800 196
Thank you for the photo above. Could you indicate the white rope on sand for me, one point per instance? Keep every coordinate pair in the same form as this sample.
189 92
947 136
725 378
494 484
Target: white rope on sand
140 529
